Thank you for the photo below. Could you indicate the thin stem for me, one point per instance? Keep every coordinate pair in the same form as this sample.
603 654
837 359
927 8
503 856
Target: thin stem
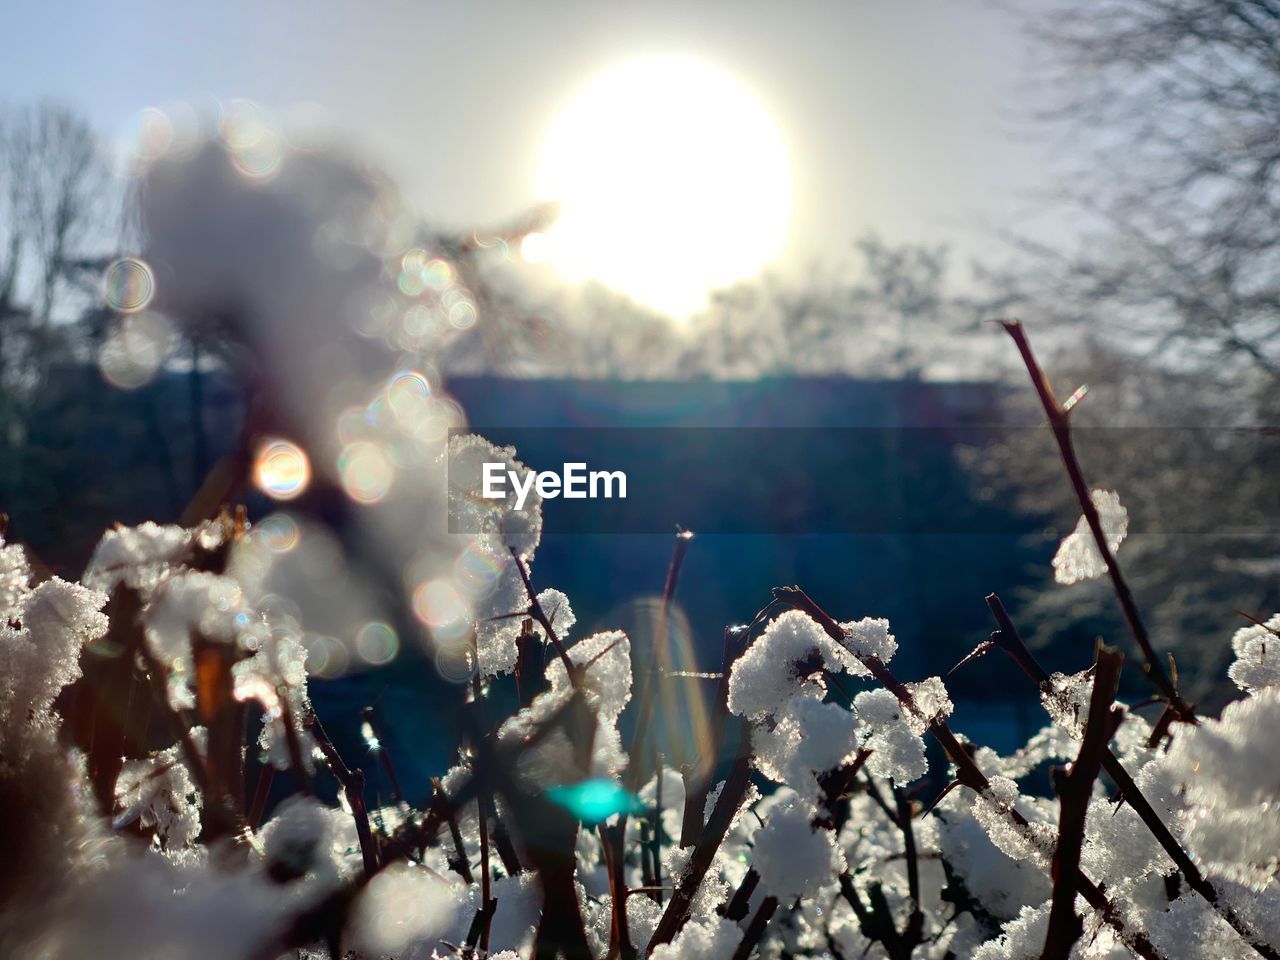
755 929
1075 789
1060 423
352 782
967 771
1010 641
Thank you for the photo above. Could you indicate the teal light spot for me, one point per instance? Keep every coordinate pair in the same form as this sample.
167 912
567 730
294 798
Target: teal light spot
594 801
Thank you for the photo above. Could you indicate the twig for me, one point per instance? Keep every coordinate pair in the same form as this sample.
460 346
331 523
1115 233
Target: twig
1060 422
755 929
677 912
370 716
536 611
444 810
1008 639
261 791
352 782
740 902
967 771
611 840
1075 789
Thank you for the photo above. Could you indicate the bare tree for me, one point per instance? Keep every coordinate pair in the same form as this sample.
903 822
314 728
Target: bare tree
55 197
1178 103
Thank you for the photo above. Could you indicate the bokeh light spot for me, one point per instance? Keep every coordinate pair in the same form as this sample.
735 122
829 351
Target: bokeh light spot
366 471
281 469
134 350
279 532
438 603
595 800
130 285
377 643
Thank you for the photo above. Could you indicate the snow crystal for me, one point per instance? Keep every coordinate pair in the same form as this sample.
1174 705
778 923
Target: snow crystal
15 580
897 751
37 661
139 557
702 938
1066 700
993 809
606 681
1078 557
187 604
1022 939
809 737
160 794
792 858
1000 883
869 637
1228 777
1252 670
497 528
307 838
765 677
556 606
932 703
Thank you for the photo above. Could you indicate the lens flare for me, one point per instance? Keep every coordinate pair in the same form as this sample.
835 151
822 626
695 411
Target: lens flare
377 643
129 285
278 532
366 471
135 349
438 603
281 469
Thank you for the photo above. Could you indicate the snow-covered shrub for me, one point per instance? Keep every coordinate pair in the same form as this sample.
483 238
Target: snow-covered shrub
556 829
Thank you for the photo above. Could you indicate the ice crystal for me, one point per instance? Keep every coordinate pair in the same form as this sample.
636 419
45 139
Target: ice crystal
1253 669
1078 557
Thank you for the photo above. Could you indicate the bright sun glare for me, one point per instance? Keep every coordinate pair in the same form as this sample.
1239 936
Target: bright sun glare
672 181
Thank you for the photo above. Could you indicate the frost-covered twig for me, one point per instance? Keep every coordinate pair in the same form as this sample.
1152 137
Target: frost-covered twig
1059 418
536 611
1010 641
726 807
967 771
754 933
370 716
352 781
1075 789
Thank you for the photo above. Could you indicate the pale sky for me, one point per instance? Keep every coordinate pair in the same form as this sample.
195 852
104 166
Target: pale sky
906 118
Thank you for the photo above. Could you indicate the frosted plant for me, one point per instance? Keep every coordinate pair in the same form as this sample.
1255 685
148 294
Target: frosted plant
160 794
501 534
787 660
824 833
1252 670
792 857
1078 557
41 656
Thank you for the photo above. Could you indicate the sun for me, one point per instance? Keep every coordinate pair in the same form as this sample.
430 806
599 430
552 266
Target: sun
671 181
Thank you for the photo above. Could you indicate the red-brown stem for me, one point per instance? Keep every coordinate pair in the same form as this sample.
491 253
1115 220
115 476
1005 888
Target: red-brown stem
1060 422
370 716
536 611
261 791
611 840
755 929
967 772
677 912
1010 641
740 902
352 782
1075 789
